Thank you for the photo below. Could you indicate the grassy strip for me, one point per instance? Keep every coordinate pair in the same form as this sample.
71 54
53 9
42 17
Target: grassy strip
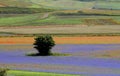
16 21
71 20
17 10
26 73
58 35
52 20
52 54
88 12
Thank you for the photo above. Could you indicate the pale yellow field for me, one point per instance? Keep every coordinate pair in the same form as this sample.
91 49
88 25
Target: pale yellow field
64 40
62 29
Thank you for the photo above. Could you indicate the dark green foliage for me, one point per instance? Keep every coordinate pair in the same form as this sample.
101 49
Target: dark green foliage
3 72
98 0
44 44
86 0
17 10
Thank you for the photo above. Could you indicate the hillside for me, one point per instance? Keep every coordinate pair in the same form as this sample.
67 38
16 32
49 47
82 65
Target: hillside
15 3
87 12
62 4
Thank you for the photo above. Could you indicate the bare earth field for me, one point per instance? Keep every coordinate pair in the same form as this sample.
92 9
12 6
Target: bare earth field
62 29
64 40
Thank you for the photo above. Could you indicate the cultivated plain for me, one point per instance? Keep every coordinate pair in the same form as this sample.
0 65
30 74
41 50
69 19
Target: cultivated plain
87 31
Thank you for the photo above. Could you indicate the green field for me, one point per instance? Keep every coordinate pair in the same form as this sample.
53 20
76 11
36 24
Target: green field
63 4
112 5
26 73
17 10
62 18
35 12
19 20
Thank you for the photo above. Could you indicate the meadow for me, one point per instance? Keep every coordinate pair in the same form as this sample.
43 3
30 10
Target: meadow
27 73
63 4
112 5
73 17
78 4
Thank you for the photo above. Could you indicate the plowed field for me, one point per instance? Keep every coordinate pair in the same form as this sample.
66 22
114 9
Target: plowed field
64 40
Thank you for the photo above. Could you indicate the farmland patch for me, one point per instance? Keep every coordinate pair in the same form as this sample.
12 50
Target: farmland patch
64 40
73 64
63 29
108 5
100 22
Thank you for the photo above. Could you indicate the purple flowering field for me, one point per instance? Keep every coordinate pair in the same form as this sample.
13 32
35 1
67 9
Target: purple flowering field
80 60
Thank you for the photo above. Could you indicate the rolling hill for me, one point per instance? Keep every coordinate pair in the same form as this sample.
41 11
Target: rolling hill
10 11
62 4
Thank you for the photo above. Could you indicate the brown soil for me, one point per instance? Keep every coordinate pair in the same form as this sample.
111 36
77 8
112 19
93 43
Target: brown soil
64 40
100 22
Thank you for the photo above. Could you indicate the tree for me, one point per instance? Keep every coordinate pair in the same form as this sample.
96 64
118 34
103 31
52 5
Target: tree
3 72
44 44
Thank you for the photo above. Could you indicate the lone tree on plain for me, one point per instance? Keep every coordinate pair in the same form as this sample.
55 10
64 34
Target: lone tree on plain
44 44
